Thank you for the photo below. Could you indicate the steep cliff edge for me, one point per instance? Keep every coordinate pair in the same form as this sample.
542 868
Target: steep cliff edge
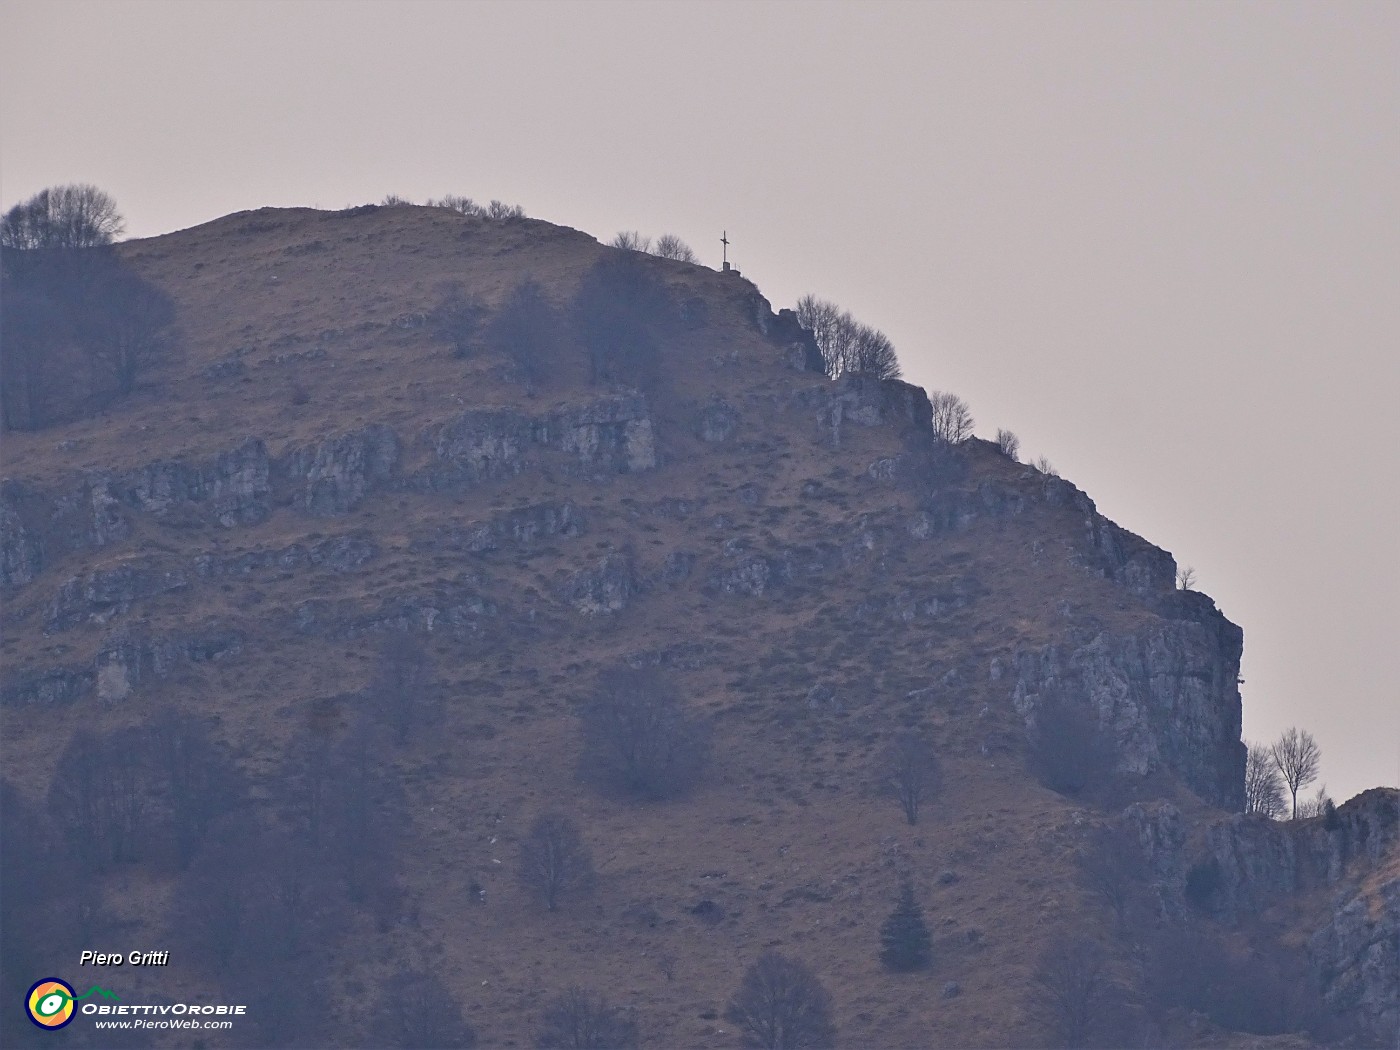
1350 863
1168 695
1333 881
1166 690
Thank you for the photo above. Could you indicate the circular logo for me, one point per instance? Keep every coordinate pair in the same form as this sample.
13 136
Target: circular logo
50 1003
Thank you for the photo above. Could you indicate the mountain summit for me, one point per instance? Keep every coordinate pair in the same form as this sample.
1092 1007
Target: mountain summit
554 621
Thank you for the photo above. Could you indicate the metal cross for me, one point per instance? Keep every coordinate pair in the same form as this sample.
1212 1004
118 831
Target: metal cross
724 240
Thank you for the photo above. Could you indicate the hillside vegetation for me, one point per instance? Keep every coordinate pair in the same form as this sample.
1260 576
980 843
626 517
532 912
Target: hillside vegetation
439 547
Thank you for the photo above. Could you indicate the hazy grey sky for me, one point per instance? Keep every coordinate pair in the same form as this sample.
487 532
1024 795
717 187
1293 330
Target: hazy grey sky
1158 241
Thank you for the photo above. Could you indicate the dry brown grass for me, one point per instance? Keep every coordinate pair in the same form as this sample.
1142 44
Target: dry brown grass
785 835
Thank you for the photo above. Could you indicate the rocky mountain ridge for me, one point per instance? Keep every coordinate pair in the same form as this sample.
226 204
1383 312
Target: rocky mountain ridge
810 564
1177 678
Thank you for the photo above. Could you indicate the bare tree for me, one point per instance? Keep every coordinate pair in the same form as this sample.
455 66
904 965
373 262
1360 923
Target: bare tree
128 788
99 799
1186 578
461 205
296 904
870 353
632 241
1113 866
1008 444
416 1010
305 786
669 246
75 216
554 861
638 737
80 326
822 319
952 420
1297 757
1263 785
1073 985
198 778
618 313
345 805
846 345
909 773
400 693
214 895
38 329
501 210
1319 805
527 329
1046 467
276 998
456 318
1267 990
125 329
42 908
780 1005
843 335
289 895
580 1020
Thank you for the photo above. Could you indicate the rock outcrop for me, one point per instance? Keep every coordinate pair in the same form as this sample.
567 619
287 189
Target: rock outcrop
1250 861
718 421
235 486
332 476
1113 551
454 607
1357 958
608 436
99 596
1168 696
604 437
1348 861
344 553
607 588
125 660
513 529
865 401
21 550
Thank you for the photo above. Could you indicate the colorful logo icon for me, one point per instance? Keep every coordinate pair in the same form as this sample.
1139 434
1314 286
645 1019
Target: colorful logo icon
50 1003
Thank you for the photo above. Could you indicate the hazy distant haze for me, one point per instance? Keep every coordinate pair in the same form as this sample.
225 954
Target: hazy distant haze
1160 242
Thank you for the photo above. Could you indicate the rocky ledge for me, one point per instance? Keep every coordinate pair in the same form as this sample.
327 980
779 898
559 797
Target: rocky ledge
1168 696
40 525
1351 857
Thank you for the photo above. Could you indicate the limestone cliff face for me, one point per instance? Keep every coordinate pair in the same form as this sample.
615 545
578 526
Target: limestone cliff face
125 660
1348 864
39 527
1255 861
1357 955
1354 857
816 569
1168 695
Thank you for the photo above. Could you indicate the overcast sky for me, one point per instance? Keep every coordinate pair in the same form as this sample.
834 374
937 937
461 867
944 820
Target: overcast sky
1158 241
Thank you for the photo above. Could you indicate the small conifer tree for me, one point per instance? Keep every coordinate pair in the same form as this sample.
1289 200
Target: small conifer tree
904 937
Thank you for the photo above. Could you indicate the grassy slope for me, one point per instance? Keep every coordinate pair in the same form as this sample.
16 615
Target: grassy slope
785 835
